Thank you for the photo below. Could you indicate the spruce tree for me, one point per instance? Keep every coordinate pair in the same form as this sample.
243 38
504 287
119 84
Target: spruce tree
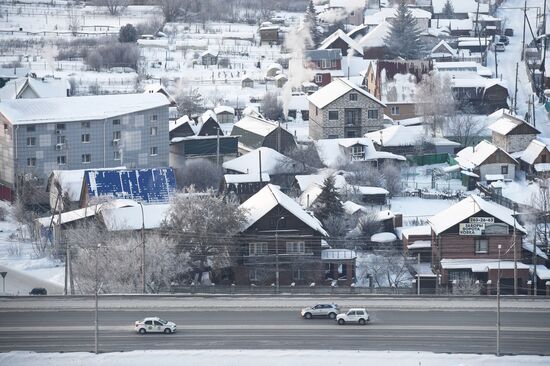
311 21
328 203
448 10
403 39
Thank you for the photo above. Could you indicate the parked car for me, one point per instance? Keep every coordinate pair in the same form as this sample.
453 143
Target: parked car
154 325
509 32
499 47
357 315
321 310
38 291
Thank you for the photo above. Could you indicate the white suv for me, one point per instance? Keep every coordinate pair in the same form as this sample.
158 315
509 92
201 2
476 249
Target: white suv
154 325
319 310
358 315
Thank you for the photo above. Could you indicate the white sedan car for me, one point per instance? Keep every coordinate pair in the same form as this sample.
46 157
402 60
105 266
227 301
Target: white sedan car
358 315
154 325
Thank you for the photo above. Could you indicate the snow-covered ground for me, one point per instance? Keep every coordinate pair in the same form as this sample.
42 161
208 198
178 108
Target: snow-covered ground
415 208
25 270
267 358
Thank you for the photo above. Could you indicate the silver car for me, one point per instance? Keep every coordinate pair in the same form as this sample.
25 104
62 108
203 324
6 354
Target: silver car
321 310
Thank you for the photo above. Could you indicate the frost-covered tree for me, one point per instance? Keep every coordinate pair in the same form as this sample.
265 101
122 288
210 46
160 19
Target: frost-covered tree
403 39
189 102
115 7
127 33
200 173
448 10
311 21
464 129
272 107
435 102
328 203
203 225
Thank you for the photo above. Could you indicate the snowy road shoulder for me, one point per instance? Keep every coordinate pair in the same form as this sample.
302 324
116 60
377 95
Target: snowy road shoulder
266 358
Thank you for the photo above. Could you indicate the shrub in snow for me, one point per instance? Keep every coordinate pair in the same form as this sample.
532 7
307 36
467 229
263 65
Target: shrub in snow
127 34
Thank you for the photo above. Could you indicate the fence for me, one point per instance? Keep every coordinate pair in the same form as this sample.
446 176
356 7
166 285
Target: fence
428 159
290 290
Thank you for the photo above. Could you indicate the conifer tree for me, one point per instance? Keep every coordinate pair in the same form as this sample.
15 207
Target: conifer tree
311 21
328 203
448 10
404 39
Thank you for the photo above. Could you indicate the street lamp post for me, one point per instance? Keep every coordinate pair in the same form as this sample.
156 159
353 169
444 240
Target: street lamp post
96 290
277 253
498 303
142 249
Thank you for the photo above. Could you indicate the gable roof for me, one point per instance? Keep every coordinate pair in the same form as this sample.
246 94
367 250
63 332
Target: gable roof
273 163
327 43
129 217
445 45
159 88
375 38
533 151
256 125
470 206
325 54
270 197
472 157
336 89
156 185
508 123
85 108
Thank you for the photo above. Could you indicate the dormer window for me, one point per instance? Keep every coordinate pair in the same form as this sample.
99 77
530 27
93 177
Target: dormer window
357 152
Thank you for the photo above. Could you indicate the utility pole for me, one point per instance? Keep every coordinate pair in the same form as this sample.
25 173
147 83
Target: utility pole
218 147
515 254
260 164
496 63
516 91
277 253
142 249
498 302
524 20
279 138
96 293
535 263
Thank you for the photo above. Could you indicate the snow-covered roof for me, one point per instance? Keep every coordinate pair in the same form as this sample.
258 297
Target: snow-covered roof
344 37
367 191
376 37
383 237
444 44
71 181
85 108
273 163
270 197
159 88
543 273
391 13
542 167
460 6
507 123
398 135
453 24
130 217
304 181
533 151
351 208
472 157
338 254
480 265
310 194
529 247
458 68
256 125
209 114
406 231
224 109
477 82
82 213
298 103
335 90
468 207
332 155
420 244
245 178
172 125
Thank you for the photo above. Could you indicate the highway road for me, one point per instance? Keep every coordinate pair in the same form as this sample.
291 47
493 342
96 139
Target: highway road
460 328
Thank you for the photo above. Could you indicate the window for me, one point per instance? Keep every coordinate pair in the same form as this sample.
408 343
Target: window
158 323
353 97
295 247
86 158
31 141
332 136
395 110
116 155
298 274
31 162
253 274
60 126
85 138
153 151
482 246
316 112
353 116
257 249
504 169
116 122
357 152
60 139
31 128
154 117
318 78
116 135
6 129
149 322
85 124
372 113
61 160
153 131
333 115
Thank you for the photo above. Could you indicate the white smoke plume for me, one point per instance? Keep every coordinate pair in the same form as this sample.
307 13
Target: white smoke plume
296 41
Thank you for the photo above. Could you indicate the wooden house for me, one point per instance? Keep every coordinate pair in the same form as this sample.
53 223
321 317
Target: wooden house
340 40
269 34
255 132
480 95
511 133
243 186
247 82
208 58
535 159
225 114
486 159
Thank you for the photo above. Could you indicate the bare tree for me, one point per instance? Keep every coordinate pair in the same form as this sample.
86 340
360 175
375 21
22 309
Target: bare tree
272 107
392 178
200 173
464 128
73 19
307 155
387 269
174 9
189 102
368 224
466 286
115 7
435 101
203 225
541 205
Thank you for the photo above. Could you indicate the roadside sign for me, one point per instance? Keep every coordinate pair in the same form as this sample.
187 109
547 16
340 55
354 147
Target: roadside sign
3 274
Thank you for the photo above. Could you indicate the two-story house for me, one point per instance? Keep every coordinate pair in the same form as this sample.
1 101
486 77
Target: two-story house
510 133
41 135
342 109
466 239
325 63
279 240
